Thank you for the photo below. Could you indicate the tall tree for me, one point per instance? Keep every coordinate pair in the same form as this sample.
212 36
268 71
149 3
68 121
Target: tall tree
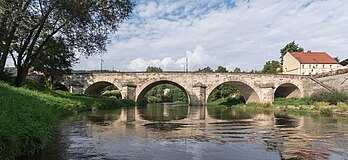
221 69
271 67
337 59
84 27
290 47
55 61
153 69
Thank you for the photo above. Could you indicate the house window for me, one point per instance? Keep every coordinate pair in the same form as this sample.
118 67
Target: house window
310 66
316 66
302 65
323 65
330 66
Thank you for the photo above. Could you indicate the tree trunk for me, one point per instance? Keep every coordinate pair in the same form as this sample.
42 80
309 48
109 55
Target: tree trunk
22 73
2 66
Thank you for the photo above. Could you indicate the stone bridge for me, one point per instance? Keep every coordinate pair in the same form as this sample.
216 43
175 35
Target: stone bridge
259 88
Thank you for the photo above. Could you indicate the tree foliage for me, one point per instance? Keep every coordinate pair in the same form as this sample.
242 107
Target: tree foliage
221 69
271 67
56 60
153 69
237 70
83 26
290 47
205 70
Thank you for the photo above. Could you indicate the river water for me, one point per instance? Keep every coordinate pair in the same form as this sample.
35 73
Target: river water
174 131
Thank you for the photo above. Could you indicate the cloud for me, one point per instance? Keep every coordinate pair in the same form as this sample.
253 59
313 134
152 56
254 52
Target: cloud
196 59
238 33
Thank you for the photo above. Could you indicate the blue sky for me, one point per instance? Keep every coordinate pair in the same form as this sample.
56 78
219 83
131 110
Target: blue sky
240 33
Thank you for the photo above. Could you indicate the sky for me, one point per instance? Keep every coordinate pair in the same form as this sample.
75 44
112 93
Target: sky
235 33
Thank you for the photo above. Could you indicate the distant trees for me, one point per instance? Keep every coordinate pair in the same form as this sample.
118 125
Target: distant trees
221 69
153 69
271 67
237 70
27 26
290 47
206 70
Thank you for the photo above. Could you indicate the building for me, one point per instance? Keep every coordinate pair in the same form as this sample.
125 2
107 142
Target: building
344 64
308 63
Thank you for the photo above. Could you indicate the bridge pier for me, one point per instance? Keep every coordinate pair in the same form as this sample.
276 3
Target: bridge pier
199 94
129 92
267 93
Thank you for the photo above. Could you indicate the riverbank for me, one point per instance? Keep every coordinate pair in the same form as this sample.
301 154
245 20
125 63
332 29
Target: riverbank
29 116
289 104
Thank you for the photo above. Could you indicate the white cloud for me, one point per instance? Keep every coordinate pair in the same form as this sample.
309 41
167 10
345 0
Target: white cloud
242 34
196 59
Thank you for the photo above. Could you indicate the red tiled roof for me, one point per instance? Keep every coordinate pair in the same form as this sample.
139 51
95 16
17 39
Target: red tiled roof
313 57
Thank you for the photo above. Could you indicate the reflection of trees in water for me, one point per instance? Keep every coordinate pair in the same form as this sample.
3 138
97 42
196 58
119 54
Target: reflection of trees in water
291 141
228 113
163 112
102 117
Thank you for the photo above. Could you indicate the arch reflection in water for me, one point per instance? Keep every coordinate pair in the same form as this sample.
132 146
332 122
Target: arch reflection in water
164 112
239 133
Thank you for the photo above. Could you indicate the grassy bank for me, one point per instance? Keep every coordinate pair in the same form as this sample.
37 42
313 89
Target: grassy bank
334 103
29 116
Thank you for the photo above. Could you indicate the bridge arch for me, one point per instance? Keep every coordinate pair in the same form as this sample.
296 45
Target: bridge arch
97 88
146 87
287 90
61 87
248 92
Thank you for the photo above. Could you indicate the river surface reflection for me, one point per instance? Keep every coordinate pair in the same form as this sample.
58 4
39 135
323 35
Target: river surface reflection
173 131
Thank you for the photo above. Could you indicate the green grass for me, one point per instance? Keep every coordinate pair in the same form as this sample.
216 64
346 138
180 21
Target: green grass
291 101
29 116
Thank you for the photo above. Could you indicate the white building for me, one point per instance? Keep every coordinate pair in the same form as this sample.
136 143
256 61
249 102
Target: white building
308 63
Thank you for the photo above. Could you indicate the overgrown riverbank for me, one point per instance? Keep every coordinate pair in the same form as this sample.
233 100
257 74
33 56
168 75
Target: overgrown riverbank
322 102
29 115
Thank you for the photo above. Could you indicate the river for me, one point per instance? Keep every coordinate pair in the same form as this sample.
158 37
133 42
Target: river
176 131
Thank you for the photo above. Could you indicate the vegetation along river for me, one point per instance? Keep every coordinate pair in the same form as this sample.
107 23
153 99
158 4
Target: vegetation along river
176 131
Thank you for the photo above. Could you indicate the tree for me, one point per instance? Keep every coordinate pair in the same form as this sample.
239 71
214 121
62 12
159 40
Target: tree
55 61
205 70
83 26
153 69
337 59
237 70
221 69
271 67
290 47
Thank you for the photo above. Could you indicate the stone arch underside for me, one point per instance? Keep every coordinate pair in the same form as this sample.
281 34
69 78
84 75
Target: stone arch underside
98 87
249 94
141 96
61 87
287 90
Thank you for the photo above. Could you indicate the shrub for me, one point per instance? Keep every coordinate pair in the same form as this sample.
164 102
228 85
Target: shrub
326 111
330 97
342 107
112 93
153 99
320 105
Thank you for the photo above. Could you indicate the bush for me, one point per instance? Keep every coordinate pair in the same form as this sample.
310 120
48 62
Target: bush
153 99
326 111
330 97
342 107
320 105
112 93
